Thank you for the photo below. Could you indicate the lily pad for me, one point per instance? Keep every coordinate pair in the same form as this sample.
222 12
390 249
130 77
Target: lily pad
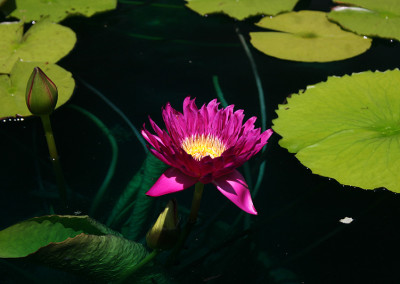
347 128
73 243
43 42
56 11
371 18
13 87
241 9
307 36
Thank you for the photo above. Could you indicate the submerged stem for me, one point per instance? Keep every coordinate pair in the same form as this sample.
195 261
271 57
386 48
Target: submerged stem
114 157
219 92
198 193
62 189
263 112
118 111
257 79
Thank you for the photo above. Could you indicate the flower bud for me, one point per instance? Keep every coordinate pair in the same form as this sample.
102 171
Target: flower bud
41 93
165 232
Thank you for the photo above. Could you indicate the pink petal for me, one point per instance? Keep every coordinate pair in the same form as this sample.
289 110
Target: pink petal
234 187
172 180
249 124
161 157
153 140
266 134
157 129
264 139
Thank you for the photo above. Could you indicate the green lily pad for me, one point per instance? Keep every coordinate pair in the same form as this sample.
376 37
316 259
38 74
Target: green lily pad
56 11
347 128
374 18
307 36
13 87
43 42
73 243
241 9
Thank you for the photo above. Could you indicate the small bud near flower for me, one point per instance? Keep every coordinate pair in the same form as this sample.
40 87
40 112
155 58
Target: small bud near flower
41 93
165 232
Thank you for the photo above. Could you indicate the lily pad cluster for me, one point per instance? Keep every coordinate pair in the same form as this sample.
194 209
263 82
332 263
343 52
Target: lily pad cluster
307 36
347 128
43 45
370 18
311 36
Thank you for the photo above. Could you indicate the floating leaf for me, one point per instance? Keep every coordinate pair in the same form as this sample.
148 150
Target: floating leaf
43 42
347 128
307 36
56 11
76 244
241 9
13 87
374 18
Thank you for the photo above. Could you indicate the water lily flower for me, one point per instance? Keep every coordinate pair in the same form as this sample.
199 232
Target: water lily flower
205 145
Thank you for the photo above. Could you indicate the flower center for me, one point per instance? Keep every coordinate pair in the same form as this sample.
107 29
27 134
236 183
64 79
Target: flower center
200 146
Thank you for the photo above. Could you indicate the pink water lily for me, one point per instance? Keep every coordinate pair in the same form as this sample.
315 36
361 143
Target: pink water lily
205 145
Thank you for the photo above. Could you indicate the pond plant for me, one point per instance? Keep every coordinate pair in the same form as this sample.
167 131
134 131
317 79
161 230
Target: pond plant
351 121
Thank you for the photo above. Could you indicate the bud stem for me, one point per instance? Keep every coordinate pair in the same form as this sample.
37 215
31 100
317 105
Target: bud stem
54 158
198 193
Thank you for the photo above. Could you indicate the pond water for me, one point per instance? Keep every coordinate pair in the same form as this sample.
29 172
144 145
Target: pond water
143 55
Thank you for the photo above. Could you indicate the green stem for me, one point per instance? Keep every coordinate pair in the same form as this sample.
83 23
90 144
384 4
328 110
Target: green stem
118 111
257 79
198 193
55 159
219 92
114 156
142 263
261 98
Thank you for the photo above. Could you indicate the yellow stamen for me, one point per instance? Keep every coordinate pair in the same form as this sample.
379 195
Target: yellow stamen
200 146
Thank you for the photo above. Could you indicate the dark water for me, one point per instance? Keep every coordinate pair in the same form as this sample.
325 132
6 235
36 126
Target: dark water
142 56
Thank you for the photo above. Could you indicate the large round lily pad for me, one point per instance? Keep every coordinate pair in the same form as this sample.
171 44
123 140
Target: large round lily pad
372 18
307 36
13 87
347 128
56 11
43 42
241 9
